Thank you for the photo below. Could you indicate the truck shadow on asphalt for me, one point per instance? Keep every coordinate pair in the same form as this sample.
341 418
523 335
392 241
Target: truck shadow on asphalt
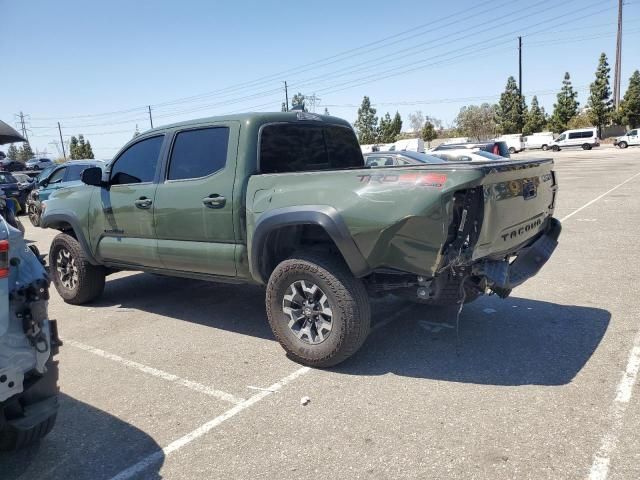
516 341
511 342
86 443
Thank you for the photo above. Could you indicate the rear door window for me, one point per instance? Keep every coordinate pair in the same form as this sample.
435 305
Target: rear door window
198 153
137 164
290 147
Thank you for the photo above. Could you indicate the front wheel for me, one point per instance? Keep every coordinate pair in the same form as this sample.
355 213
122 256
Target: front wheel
76 280
34 214
317 309
623 145
555 148
586 146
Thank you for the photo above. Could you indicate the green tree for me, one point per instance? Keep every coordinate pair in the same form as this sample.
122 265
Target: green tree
88 151
12 152
600 97
298 101
73 149
366 123
581 120
385 132
396 126
429 133
477 121
630 105
511 113
536 118
565 108
25 153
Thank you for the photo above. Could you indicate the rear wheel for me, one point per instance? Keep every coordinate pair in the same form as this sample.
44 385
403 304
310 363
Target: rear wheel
76 280
586 146
34 214
623 145
22 419
318 311
555 148
545 148
512 150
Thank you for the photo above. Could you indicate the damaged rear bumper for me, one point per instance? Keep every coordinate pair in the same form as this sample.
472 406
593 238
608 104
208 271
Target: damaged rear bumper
502 275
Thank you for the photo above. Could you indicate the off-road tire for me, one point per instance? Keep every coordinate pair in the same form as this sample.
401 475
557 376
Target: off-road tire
623 145
586 146
13 438
90 277
545 148
347 297
555 148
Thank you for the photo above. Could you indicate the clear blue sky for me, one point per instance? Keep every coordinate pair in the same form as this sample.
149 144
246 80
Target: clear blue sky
68 58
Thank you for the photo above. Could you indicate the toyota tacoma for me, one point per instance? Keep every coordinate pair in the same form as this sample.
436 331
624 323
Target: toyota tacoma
285 200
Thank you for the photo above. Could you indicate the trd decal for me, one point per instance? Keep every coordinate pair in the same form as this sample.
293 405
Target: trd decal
436 180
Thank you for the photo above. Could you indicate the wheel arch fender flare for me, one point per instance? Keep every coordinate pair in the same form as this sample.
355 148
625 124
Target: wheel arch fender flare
323 216
55 219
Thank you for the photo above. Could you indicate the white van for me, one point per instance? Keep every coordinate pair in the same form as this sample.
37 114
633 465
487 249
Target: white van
629 138
514 141
587 138
538 140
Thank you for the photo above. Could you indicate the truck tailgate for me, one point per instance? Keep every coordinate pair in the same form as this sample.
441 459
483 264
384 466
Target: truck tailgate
518 199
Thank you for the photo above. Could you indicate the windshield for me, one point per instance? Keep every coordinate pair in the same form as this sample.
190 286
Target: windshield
7 178
44 173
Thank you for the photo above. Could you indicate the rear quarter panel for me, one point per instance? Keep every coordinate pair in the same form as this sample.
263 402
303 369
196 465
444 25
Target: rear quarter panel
398 217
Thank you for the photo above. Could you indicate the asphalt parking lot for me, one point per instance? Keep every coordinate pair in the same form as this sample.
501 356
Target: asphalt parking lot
180 379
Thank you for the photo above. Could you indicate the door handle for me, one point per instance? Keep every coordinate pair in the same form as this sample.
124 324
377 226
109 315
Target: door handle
143 202
214 201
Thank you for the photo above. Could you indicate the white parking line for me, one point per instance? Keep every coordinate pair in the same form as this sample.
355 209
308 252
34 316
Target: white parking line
176 445
169 377
602 459
566 217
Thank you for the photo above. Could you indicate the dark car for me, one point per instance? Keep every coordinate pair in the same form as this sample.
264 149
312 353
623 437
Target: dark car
11 165
393 158
497 147
10 185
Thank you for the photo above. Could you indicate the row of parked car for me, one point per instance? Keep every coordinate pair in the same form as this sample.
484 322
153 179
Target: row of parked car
33 164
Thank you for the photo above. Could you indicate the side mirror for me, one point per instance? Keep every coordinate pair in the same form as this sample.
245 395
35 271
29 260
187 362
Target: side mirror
92 176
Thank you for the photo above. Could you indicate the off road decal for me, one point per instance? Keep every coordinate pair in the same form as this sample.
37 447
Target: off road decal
436 180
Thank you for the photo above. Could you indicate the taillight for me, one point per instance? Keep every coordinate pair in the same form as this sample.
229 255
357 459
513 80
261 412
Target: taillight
4 258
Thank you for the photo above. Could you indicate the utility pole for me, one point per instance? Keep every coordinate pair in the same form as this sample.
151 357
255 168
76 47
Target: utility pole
150 118
286 97
24 129
520 64
618 67
64 153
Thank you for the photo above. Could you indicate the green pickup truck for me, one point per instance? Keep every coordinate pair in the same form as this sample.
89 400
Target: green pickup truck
284 200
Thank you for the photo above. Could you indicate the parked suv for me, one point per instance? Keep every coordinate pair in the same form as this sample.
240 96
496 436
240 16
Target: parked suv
11 165
587 138
285 200
55 178
38 163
